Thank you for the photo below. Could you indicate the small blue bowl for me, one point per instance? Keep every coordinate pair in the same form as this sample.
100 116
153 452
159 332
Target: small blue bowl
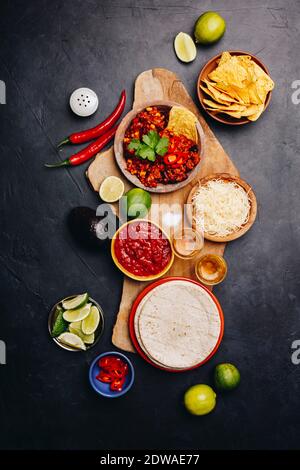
103 388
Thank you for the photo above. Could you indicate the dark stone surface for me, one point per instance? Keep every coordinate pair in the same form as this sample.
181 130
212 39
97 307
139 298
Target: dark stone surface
48 48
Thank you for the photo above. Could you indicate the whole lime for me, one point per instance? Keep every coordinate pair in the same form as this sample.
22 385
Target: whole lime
200 399
138 202
227 376
209 28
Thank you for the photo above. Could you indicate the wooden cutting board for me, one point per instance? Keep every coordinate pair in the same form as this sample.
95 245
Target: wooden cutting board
161 84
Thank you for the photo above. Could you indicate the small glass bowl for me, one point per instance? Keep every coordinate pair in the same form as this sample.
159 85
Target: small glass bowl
187 243
211 261
98 332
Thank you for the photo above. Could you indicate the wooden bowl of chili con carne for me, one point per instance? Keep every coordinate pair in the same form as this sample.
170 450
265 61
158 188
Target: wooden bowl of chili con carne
157 178
142 250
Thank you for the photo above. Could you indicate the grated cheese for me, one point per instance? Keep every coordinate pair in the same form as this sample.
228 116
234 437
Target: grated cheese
221 207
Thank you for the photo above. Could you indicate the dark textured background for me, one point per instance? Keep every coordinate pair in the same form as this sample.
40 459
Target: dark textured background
50 47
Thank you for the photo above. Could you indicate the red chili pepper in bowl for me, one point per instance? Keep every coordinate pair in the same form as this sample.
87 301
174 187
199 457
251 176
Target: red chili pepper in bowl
117 384
104 377
117 373
170 159
113 370
88 152
104 362
100 129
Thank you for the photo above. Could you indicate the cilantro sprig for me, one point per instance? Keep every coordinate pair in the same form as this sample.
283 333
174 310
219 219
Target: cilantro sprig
152 144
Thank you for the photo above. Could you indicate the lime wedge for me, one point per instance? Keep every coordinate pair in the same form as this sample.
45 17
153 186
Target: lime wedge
78 314
75 328
112 189
185 47
89 339
91 322
75 302
70 339
76 325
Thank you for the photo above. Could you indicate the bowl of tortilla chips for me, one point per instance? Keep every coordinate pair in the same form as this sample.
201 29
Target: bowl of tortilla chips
235 87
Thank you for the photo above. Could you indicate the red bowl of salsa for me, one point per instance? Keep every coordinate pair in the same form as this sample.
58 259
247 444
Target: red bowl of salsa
142 250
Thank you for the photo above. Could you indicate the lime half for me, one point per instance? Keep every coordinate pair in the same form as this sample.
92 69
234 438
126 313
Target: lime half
138 202
78 314
200 399
76 302
91 322
185 47
112 189
227 376
70 339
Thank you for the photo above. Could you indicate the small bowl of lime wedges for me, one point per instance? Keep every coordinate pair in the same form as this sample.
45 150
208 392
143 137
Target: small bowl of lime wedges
76 322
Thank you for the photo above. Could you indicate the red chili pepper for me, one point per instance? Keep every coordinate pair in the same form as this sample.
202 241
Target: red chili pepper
100 129
170 159
88 152
113 371
104 362
119 372
110 362
176 159
104 377
117 384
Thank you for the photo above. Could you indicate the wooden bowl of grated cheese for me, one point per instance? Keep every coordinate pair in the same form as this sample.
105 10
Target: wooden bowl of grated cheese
223 206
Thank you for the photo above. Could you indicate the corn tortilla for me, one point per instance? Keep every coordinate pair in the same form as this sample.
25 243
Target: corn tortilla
178 325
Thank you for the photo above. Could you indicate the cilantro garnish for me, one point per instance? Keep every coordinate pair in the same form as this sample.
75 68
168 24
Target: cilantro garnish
151 145
162 146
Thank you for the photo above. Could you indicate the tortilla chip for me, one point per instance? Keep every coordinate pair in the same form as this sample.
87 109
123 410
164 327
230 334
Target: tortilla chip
232 107
217 94
236 114
182 121
251 110
229 73
225 57
255 116
229 91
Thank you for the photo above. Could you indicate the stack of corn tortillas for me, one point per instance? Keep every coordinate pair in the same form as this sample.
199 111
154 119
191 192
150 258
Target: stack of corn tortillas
177 325
238 87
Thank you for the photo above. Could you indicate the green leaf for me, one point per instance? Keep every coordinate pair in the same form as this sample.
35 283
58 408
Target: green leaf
134 144
162 146
152 158
146 152
151 139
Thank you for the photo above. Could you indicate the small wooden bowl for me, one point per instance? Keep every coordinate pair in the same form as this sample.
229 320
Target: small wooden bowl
121 161
207 69
253 208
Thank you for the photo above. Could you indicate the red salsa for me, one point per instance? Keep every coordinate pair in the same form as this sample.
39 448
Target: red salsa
142 249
